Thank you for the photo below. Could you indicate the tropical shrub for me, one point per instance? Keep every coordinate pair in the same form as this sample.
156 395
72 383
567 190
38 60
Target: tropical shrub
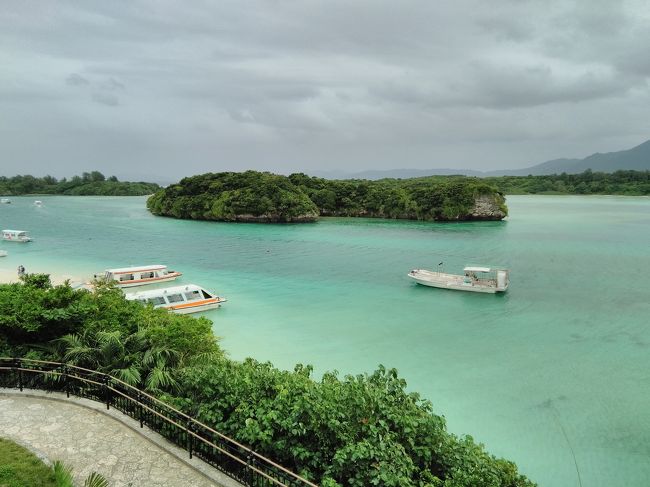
93 183
265 197
633 183
355 431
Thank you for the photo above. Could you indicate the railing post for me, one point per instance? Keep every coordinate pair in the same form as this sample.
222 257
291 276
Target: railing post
107 392
190 437
249 471
18 364
140 409
66 387
251 464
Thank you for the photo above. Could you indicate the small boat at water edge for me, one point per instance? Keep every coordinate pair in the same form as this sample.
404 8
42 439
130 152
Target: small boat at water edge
474 279
16 236
179 299
140 275
38 203
5 201
3 253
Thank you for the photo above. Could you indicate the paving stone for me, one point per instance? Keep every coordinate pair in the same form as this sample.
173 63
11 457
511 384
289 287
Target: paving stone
89 441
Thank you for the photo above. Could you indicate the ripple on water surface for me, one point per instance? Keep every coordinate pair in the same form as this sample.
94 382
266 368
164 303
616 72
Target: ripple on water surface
552 374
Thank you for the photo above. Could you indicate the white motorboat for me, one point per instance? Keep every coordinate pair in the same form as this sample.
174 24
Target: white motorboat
140 275
474 279
179 299
5 201
3 253
16 236
38 203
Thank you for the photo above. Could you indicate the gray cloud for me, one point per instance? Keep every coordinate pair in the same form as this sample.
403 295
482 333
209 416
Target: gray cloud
311 85
107 99
111 84
76 80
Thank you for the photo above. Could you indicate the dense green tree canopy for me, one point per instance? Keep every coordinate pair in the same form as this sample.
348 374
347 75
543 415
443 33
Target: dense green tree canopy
88 184
231 196
354 431
255 196
633 183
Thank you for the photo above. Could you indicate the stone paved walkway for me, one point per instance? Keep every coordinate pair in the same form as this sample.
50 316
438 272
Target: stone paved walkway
89 440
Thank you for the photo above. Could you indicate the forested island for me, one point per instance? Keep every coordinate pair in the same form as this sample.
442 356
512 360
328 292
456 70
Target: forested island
264 197
88 184
631 183
336 431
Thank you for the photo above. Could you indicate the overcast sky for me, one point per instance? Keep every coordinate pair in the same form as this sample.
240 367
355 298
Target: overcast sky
157 90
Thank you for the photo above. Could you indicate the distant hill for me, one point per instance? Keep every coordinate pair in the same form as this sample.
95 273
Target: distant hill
397 173
637 158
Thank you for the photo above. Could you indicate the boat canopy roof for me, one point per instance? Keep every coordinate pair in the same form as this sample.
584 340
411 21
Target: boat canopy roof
163 291
477 269
14 231
139 268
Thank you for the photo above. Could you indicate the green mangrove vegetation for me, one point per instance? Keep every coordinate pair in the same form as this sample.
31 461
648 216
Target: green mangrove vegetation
357 430
265 197
231 196
631 183
88 184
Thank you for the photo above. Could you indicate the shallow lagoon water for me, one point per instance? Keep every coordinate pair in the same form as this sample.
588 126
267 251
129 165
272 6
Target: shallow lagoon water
555 374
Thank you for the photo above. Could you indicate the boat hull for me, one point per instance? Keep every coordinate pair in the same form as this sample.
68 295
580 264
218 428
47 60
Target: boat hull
454 282
151 280
17 239
456 287
188 308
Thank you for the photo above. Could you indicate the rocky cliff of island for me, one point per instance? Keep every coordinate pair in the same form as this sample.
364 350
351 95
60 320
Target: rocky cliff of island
263 197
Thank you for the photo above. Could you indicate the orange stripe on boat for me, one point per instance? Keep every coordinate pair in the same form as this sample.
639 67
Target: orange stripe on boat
195 303
149 279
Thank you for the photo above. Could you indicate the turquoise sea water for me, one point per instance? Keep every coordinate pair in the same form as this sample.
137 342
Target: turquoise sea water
555 374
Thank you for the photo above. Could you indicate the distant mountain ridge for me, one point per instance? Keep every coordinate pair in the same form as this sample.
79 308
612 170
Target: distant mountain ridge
636 158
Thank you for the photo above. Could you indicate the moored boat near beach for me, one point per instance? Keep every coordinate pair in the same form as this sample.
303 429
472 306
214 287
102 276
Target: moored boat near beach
179 299
5 201
140 275
3 253
16 236
474 279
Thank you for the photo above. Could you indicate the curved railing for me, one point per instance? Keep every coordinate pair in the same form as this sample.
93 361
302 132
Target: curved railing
227 455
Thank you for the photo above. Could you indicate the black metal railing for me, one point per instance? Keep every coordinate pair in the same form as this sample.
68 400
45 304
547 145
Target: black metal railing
225 454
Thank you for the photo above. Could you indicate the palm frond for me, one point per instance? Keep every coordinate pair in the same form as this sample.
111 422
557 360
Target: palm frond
62 474
95 480
159 378
81 355
158 355
130 375
69 341
205 358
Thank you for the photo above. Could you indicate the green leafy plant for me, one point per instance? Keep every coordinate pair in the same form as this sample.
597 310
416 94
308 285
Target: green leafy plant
64 477
265 197
359 430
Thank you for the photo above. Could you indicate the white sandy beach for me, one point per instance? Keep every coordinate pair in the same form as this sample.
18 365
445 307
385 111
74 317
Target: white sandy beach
9 273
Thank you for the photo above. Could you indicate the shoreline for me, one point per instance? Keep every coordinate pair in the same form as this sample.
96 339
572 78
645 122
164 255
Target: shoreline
9 275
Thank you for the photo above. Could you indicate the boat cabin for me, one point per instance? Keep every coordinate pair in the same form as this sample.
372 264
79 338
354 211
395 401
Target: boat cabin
140 275
16 236
179 299
486 276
